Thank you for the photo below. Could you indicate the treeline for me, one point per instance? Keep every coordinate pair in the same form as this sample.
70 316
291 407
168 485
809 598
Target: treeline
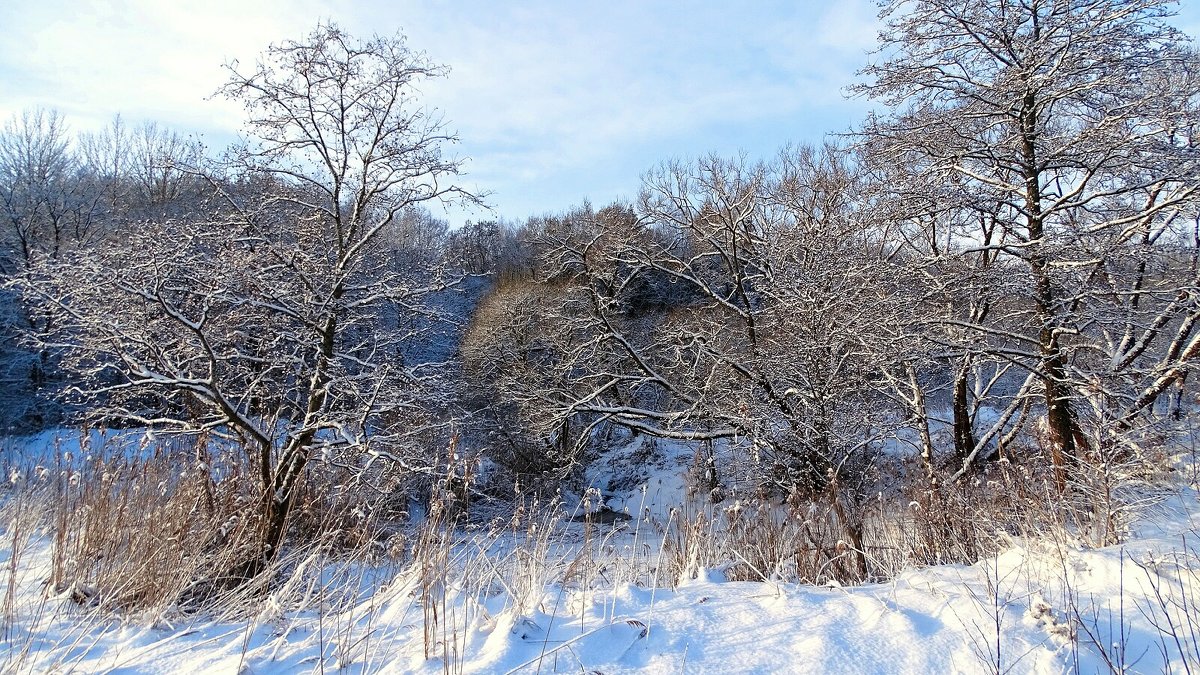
64 193
1002 264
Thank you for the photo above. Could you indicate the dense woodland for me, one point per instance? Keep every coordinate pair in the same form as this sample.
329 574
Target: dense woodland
992 279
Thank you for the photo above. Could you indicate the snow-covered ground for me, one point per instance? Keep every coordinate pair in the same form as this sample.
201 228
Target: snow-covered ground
583 601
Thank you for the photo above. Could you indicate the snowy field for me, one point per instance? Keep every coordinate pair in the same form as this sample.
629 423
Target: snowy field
561 596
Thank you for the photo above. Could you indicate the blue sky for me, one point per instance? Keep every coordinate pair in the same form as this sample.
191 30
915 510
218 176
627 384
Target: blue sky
554 101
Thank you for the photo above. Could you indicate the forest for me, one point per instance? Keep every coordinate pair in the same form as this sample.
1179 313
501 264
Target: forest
972 317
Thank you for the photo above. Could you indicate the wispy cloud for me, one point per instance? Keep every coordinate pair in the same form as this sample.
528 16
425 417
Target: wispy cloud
540 93
554 101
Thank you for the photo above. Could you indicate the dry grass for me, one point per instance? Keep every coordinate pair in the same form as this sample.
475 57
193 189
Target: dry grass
147 533
156 534
908 524
157 530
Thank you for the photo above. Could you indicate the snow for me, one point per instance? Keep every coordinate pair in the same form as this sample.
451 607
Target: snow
587 602
936 620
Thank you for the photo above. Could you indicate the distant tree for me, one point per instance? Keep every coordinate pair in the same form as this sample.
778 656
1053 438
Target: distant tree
47 206
51 203
163 165
141 172
419 240
105 158
512 356
263 318
475 246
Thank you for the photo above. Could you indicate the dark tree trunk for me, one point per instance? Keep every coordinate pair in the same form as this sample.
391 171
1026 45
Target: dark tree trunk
1060 420
964 432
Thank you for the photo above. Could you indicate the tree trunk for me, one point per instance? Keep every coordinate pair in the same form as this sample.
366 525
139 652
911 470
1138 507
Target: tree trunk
1059 417
1177 407
279 484
964 432
922 415
853 530
1060 420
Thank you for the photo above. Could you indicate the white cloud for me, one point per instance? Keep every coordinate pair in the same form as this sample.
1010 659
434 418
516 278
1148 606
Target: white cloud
145 58
598 82
540 91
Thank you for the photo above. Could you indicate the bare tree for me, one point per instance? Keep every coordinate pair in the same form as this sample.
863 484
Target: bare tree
147 171
51 202
162 164
265 319
47 206
1066 123
735 301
